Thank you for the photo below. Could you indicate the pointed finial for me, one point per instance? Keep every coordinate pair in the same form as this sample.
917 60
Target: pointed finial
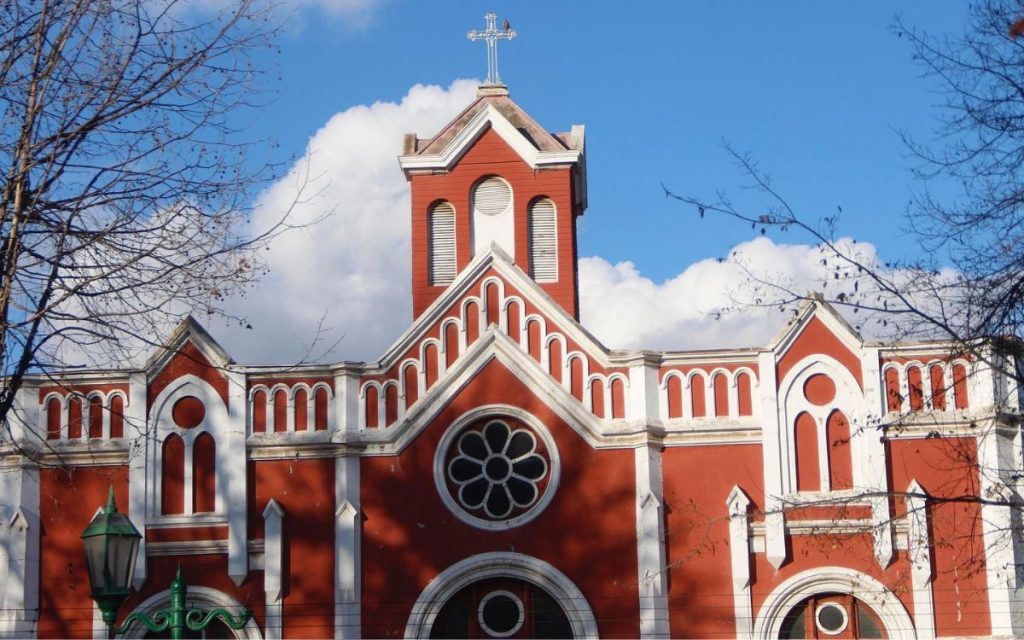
111 506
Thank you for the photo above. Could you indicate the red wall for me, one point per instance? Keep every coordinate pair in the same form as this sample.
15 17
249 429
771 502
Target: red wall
490 155
588 531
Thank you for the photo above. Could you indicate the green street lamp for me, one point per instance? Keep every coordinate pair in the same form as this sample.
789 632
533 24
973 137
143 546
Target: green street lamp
111 544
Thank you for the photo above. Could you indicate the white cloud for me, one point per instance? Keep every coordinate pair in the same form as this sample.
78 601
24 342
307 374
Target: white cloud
350 271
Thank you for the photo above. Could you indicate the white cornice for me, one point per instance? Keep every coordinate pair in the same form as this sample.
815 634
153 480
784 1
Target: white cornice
488 116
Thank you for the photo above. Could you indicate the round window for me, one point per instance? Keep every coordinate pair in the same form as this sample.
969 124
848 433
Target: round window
492 197
501 614
831 618
496 472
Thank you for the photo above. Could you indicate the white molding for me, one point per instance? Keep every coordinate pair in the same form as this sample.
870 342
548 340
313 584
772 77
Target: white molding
501 564
20 529
141 439
894 617
496 411
488 117
738 505
273 575
652 566
232 476
919 552
347 549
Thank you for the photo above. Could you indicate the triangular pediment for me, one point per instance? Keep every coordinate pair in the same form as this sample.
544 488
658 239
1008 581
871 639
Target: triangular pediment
188 332
533 144
817 328
494 263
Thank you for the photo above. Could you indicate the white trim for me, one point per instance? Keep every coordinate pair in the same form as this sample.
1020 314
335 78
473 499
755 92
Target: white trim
739 554
842 610
919 552
501 564
495 411
877 596
652 566
273 563
347 551
142 442
488 116
205 598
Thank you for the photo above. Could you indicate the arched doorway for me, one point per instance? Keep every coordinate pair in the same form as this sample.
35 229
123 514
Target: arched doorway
832 615
501 595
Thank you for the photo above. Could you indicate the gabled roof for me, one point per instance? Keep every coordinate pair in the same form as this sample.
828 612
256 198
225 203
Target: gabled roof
816 307
188 331
494 110
494 258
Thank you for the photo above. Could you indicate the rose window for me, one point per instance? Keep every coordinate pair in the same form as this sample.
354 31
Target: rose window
497 469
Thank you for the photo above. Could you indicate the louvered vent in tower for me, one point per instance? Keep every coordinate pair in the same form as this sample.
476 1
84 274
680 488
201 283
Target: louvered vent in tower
492 197
543 241
442 243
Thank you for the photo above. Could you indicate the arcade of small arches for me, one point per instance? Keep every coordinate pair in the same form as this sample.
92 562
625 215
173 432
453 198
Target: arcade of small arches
934 385
290 409
601 390
89 416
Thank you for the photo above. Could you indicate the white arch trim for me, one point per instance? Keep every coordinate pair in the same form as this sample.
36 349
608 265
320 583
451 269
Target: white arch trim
890 610
201 597
501 564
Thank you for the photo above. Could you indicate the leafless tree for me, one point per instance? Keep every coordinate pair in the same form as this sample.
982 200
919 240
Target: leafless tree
126 174
968 285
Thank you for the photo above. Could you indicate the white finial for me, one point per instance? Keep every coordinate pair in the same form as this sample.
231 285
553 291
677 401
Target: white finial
491 35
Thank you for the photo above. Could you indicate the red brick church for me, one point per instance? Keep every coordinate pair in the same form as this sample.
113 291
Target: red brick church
500 473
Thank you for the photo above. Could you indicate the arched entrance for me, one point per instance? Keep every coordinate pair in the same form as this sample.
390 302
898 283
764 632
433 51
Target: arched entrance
501 595
832 602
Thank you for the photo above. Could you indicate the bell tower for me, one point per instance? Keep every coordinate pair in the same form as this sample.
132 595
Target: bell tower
490 178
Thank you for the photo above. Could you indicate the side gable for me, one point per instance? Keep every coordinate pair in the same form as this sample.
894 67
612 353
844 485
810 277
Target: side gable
190 350
818 329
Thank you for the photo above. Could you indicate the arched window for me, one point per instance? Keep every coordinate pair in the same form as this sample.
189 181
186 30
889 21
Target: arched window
543 241
674 389
697 397
442 243
831 615
280 411
937 376
320 409
840 460
53 419
370 407
618 393
720 387
492 215
301 409
743 394
259 412
75 417
916 386
172 478
95 417
204 474
894 399
117 416
808 474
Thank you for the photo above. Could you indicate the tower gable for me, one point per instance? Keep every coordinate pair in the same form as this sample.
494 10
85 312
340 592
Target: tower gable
493 176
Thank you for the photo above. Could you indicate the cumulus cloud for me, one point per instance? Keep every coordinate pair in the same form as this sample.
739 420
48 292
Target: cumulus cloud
346 276
344 280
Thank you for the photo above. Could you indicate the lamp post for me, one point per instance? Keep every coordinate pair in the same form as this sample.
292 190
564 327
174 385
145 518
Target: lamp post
111 544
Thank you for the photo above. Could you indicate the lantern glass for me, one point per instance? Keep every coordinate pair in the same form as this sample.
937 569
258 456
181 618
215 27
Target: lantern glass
111 545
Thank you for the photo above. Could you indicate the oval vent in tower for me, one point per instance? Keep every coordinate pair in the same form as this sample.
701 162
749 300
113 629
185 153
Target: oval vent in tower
492 197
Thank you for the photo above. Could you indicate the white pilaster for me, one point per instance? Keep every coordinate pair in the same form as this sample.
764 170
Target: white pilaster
141 447
919 548
232 482
347 568
22 529
346 405
642 400
273 561
739 552
652 569
776 460
1004 595
868 454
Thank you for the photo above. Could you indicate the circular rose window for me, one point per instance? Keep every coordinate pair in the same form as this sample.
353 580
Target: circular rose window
496 472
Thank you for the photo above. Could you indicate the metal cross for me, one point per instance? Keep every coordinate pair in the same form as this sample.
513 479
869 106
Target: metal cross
491 35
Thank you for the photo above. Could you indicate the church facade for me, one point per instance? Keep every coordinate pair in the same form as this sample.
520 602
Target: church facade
500 473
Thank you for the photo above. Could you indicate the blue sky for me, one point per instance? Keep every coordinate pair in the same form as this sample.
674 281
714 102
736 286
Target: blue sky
816 91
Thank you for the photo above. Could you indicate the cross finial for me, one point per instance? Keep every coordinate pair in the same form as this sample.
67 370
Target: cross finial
491 35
